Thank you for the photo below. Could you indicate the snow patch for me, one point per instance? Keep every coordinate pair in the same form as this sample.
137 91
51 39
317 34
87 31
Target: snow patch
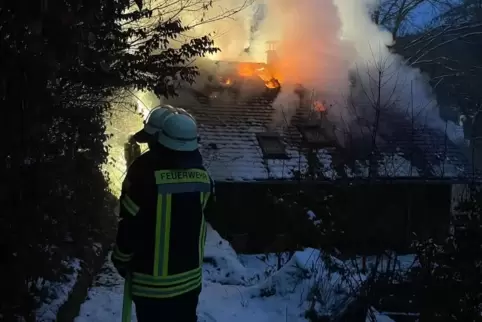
221 263
377 316
55 293
239 288
401 263
313 218
396 165
310 278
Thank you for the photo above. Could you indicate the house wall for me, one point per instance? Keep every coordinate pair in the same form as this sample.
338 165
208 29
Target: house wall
372 217
245 210
391 216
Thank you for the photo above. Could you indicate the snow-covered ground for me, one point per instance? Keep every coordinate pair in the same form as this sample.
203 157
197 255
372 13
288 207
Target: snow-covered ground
240 288
55 294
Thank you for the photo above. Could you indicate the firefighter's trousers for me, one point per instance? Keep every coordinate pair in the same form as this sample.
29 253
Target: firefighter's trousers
176 309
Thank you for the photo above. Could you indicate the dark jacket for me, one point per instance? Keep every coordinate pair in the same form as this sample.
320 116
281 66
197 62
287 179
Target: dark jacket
162 229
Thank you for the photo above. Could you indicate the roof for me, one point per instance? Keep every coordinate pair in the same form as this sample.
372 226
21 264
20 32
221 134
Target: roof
231 148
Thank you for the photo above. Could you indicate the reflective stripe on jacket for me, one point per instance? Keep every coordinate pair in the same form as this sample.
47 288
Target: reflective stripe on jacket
163 227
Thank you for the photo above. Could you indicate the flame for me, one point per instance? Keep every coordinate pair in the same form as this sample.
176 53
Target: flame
259 70
247 69
319 106
272 84
226 81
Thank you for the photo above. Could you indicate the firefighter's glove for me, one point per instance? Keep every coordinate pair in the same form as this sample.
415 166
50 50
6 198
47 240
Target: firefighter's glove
131 150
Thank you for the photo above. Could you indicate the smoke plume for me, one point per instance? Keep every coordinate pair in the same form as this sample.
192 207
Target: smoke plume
320 44
331 47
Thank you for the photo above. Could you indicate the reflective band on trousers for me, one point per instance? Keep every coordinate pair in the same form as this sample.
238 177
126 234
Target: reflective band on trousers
166 286
170 280
120 256
166 292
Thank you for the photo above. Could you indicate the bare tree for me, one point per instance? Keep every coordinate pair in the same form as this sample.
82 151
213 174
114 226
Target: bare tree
448 52
402 16
193 14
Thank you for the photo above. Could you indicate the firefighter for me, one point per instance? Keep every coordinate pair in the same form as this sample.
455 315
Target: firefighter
162 230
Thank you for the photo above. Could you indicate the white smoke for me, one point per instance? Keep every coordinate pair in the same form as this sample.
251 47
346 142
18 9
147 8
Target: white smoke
384 78
320 42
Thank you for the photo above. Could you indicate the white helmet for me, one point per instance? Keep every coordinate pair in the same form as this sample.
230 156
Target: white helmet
153 123
183 111
179 132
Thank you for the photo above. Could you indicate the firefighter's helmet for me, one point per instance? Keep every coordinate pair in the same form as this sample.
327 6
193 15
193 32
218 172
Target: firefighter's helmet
153 123
179 132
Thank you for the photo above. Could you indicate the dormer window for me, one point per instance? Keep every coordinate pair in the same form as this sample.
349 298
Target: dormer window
314 134
271 145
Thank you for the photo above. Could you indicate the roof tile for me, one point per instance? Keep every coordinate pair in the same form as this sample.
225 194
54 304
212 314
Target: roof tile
232 152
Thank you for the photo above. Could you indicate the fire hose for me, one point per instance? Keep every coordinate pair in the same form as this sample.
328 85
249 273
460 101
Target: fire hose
127 299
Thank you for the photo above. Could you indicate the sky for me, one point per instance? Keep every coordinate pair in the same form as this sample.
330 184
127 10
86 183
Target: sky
424 13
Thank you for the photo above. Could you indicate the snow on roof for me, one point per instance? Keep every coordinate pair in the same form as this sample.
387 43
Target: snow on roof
232 152
427 150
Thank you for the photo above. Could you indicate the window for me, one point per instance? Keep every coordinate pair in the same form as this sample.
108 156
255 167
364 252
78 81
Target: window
271 145
314 134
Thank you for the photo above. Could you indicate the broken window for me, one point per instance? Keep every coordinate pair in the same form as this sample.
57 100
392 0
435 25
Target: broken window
313 134
271 145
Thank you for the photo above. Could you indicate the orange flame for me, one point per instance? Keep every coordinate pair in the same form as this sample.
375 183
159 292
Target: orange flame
225 81
319 106
247 69
258 70
271 84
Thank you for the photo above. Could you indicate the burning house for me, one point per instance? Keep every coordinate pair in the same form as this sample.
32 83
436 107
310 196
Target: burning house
397 180
234 78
